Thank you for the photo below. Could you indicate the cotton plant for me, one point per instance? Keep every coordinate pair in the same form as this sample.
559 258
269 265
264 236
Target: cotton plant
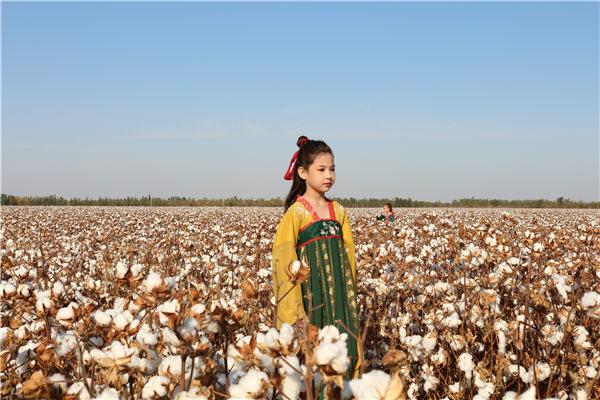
189 300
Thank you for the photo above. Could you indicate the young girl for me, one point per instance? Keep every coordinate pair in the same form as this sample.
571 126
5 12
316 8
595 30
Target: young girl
317 231
388 213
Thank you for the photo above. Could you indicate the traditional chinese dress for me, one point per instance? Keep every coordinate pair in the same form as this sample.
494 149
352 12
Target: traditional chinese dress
326 245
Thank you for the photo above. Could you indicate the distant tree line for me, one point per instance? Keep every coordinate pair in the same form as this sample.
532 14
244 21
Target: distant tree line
177 201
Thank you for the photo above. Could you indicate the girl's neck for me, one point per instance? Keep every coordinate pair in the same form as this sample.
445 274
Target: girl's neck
314 197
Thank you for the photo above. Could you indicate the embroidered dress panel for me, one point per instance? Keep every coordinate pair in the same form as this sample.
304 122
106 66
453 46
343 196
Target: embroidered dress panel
329 294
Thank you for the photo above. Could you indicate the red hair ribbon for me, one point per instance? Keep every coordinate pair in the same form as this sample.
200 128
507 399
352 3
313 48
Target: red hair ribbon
289 175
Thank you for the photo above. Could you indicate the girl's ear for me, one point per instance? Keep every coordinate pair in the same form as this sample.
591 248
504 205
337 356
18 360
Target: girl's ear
302 173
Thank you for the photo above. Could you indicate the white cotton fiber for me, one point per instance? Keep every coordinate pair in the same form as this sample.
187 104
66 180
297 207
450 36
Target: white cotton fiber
590 299
286 335
465 364
101 318
293 380
65 343
334 354
121 270
157 386
249 385
152 280
372 385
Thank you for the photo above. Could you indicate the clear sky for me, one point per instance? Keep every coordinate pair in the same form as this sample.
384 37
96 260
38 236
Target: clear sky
433 101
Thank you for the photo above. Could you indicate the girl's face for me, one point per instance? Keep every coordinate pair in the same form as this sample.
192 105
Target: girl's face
320 175
386 208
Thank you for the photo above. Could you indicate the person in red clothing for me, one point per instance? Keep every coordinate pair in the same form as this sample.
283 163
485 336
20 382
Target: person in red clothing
388 213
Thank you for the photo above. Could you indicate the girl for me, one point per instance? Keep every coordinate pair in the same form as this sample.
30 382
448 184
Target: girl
316 231
388 213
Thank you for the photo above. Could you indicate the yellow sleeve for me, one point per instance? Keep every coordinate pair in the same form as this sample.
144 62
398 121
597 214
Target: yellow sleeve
288 296
349 242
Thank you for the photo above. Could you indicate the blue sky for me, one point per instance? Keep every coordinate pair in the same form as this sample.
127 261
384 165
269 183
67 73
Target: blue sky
433 101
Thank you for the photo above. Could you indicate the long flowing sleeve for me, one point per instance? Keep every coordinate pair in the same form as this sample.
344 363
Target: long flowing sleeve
349 243
289 297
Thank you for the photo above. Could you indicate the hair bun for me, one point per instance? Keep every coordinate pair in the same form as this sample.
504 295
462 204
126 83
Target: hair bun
301 141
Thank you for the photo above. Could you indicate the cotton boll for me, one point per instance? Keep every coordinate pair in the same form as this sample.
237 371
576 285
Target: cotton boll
157 386
542 370
561 286
271 339
58 289
122 320
101 318
24 290
143 364
413 391
189 329
513 261
249 385
590 300
136 270
451 321
66 313
371 385
333 354
152 280
293 380
554 335
530 394
97 354
286 335
195 393
60 386
429 378
580 394
171 366
429 342
121 270
170 337
198 309
43 304
590 372
440 357
167 307
415 347
295 267
79 389
3 334
65 343
119 350
329 333
465 364
455 387
580 335
525 375
112 394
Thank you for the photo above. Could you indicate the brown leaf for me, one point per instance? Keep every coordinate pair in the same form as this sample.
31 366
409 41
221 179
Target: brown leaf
395 390
249 289
36 386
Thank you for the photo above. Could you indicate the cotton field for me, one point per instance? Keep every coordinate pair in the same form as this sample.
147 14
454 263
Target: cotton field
176 303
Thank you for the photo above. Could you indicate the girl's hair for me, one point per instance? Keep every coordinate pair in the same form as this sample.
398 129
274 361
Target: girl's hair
389 206
309 150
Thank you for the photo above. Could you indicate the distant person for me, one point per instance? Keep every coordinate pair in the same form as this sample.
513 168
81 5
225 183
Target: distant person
317 231
388 213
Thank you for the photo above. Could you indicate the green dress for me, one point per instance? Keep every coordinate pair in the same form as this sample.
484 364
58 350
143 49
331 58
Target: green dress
330 293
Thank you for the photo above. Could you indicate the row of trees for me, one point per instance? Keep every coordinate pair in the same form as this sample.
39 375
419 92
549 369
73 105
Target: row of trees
176 201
